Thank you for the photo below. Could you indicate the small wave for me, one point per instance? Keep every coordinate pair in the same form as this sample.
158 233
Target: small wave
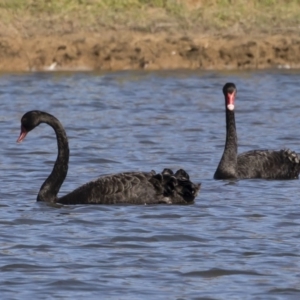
220 272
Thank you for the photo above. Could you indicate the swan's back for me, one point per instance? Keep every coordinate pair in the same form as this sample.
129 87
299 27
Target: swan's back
267 164
136 188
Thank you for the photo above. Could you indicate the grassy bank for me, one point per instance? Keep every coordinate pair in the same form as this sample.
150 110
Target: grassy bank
213 16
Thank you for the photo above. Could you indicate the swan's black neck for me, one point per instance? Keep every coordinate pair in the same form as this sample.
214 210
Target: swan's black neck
228 164
52 184
230 151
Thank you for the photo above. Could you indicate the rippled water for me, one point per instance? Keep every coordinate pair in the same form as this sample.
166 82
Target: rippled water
239 241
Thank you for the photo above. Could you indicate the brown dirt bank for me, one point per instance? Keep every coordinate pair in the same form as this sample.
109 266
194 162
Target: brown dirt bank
128 49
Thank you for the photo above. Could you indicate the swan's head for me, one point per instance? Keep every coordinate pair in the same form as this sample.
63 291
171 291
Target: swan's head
28 122
229 91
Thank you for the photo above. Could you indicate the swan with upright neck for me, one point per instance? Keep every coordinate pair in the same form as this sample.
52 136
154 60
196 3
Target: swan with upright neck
266 164
122 188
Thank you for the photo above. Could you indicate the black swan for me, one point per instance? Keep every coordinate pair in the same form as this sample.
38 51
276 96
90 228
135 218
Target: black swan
266 164
123 188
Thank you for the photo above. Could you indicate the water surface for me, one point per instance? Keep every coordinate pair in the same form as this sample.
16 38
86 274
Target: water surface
238 241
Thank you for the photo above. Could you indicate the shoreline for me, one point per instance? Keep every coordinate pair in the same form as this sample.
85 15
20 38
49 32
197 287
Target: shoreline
153 35
130 50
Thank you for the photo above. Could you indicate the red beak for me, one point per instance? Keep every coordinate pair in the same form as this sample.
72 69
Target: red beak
22 135
230 101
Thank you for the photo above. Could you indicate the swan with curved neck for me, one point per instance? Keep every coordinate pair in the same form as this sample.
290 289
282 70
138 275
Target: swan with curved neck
266 164
122 188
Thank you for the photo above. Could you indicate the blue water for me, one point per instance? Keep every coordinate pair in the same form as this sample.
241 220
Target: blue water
240 240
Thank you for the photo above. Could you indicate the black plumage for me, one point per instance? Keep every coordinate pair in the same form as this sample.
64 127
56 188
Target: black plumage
122 188
266 164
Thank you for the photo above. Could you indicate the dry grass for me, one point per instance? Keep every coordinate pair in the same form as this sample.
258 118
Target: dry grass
214 16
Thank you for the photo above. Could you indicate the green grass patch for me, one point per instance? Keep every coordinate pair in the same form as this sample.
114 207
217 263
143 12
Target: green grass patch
147 15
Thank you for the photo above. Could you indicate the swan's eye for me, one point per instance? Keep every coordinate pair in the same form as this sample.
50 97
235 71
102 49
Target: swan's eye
26 124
